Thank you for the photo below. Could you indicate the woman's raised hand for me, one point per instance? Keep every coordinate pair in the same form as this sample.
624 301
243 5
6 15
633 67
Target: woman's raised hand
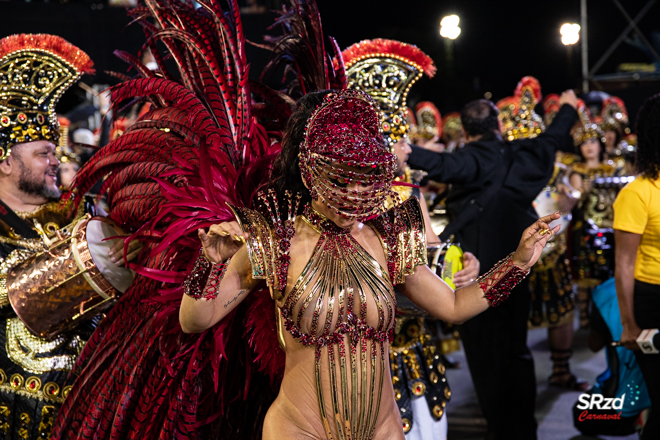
534 240
222 241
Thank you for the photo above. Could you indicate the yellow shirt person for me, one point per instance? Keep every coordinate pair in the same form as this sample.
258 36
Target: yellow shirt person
637 210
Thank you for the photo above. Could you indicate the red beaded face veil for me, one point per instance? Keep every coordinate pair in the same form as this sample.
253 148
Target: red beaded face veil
343 159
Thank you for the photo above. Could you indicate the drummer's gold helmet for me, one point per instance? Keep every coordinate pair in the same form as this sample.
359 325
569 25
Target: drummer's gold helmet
35 70
386 69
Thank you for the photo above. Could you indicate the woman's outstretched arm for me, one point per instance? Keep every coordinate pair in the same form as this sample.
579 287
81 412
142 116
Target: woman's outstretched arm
429 292
227 286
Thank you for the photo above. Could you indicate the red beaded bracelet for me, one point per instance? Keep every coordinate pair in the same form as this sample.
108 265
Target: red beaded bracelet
204 279
498 282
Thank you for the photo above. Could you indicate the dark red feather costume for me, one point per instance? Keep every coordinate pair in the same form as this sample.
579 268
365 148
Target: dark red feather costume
198 146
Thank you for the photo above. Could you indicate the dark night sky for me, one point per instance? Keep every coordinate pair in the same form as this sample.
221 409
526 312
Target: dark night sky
501 41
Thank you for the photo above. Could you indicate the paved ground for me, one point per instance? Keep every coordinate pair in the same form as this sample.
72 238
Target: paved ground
553 406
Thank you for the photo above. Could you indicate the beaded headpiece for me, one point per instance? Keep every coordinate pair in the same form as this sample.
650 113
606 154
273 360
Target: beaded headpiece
342 146
411 120
550 108
588 129
429 121
386 69
614 115
452 126
525 122
508 107
35 70
63 152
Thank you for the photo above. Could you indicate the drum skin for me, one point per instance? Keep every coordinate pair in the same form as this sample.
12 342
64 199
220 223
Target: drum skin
53 290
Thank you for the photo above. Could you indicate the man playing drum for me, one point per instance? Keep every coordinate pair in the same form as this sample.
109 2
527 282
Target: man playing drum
34 71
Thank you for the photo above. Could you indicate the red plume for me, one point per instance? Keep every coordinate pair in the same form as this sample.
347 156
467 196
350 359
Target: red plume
615 100
505 102
582 107
49 43
529 81
408 52
551 103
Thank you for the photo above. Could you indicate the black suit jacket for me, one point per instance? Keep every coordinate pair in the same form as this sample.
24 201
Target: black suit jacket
497 230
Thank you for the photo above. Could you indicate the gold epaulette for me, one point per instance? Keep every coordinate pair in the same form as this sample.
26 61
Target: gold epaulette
402 233
261 245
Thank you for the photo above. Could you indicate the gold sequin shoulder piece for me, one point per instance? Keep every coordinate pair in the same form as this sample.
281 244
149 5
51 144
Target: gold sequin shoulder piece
401 229
260 245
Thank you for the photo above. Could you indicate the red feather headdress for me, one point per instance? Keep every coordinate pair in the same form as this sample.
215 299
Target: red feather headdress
533 85
48 43
550 107
523 122
389 48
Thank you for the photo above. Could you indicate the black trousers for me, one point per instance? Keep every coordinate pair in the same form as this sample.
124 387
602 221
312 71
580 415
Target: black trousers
502 366
646 302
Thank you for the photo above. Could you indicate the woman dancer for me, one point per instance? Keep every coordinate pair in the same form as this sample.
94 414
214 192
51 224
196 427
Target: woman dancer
593 249
331 271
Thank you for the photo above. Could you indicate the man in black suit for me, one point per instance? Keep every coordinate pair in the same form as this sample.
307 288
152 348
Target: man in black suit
494 183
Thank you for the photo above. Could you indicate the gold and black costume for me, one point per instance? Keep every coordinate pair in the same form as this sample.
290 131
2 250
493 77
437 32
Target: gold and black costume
418 367
550 279
33 371
35 70
593 234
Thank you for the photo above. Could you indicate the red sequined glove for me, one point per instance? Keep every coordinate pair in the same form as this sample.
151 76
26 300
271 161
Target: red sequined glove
205 278
498 282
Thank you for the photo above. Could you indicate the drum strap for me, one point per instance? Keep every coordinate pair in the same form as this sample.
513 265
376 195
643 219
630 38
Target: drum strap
472 209
20 226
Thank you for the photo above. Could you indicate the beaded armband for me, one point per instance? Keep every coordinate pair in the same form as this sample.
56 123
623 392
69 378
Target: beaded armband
205 278
498 282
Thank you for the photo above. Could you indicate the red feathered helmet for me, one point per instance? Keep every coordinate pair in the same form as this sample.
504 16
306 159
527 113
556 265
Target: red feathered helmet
508 107
429 120
451 126
525 122
588 128
550 107
35 70
614 115
386 69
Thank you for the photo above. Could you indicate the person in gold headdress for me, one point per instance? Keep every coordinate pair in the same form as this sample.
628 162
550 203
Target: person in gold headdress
429 127
420 394
550 282
593 249
69 161
35 70
614 125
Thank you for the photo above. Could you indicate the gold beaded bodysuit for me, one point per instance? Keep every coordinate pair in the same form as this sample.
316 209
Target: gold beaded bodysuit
339 317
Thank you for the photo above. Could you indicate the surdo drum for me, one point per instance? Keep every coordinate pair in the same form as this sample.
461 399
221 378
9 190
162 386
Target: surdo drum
72 280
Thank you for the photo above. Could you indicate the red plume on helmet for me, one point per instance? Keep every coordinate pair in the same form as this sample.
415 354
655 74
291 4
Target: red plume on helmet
533 83
49 43
391 48
551 103
550 107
